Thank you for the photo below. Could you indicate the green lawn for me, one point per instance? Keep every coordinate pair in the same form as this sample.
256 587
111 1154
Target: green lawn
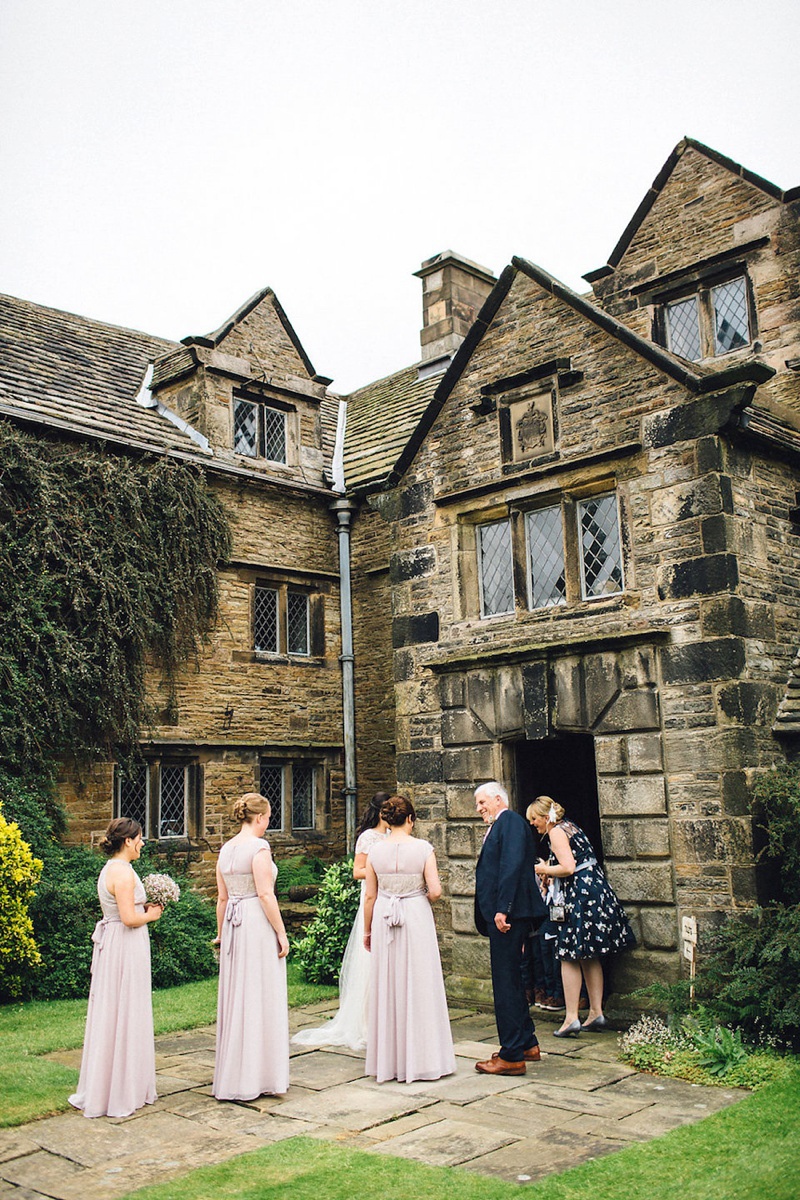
32 1086
748 1152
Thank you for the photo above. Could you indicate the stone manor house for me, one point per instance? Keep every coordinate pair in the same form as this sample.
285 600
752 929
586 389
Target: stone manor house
561 550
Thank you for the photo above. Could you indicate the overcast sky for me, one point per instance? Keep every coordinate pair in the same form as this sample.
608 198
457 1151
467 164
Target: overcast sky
162 160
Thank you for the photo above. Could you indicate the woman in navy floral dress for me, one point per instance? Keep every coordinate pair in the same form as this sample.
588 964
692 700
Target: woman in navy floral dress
594 921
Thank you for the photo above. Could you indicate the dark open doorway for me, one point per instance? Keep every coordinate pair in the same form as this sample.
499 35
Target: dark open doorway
563 768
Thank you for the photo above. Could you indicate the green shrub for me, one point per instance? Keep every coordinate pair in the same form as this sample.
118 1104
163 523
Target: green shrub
180 942
19 874
298 871
751 979
64 915
776 823
319 953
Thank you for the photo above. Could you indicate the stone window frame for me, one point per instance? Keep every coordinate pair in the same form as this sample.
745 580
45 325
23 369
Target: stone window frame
469 600
702 292
286 591
282 816
262 405
148 813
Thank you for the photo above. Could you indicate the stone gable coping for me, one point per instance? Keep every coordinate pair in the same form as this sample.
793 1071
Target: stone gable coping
212 340
653 192
703 380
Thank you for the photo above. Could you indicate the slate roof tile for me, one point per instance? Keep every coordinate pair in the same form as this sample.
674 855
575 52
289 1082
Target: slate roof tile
380 421
72 372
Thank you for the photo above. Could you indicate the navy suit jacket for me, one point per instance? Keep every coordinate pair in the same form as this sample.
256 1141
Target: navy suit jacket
505 880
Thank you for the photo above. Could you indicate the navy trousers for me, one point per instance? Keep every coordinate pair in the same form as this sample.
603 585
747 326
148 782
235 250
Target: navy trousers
515 1028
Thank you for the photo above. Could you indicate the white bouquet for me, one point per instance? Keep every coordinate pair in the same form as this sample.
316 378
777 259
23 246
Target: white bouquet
160 889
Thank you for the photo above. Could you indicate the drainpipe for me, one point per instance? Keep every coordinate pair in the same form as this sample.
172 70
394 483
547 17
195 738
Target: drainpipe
344 512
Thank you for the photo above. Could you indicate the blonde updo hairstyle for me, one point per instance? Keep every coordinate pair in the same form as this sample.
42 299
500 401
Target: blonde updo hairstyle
249 806
541 808
118 832
396 810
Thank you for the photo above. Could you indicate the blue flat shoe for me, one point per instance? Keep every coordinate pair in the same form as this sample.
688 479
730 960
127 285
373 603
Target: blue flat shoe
571 1031
595 1026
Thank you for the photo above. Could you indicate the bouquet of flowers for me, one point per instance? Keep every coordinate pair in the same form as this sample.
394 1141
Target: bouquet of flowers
160 889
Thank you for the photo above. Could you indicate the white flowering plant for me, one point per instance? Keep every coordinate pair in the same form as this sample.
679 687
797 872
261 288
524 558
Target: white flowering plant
161 889
698 1049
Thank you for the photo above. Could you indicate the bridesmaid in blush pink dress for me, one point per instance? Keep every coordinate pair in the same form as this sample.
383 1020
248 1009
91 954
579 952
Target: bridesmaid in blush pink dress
118 1066
408 1033
252 1008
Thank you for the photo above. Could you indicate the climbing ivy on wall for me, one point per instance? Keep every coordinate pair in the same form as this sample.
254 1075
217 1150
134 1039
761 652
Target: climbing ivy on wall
106 562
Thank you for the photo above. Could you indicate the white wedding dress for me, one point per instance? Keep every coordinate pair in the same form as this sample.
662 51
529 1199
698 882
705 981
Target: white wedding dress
349 1026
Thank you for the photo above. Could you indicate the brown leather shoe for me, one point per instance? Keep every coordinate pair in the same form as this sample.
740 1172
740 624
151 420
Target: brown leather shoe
499 1066
532 1054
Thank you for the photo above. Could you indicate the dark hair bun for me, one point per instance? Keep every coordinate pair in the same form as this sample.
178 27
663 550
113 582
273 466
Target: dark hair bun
396 810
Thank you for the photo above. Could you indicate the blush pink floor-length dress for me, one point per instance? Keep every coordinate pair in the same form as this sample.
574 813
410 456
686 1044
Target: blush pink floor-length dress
118 1065
252 1008
409 1029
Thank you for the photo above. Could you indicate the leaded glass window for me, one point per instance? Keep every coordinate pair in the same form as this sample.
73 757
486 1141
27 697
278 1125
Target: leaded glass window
265 619
172 802
731 322
274 435
496 569
683 326
271 786
302 796
132 793
601 550
297 622
258 430
545 534
245 428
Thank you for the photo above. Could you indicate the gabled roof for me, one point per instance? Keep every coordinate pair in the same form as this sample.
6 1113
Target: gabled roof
212 340
698 379
658 184
76 374
381 419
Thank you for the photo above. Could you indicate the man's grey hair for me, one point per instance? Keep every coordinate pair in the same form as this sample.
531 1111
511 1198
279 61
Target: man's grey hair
492 788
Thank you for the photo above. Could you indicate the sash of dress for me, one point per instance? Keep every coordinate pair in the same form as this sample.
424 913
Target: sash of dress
99 937
233 915
394 915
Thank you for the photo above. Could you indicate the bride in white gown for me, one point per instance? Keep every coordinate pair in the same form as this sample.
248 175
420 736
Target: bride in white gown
349 1026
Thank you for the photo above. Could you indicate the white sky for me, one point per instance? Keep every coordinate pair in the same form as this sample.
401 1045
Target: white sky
162 160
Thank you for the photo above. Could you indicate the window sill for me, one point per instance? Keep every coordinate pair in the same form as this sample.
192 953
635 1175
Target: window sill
263 656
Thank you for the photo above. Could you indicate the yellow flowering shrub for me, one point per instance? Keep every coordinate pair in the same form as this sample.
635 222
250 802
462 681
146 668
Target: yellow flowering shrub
19 874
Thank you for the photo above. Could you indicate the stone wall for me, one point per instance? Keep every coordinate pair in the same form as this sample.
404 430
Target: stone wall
372 646
676 678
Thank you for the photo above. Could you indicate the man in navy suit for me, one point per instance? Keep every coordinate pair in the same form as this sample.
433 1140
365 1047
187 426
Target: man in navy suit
507 904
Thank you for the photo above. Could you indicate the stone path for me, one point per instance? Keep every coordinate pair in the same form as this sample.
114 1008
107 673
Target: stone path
577 1104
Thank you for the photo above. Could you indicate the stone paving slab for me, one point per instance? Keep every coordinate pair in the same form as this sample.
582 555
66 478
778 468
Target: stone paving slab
445 1144
16 1142
534 1158
578 1103
353 1106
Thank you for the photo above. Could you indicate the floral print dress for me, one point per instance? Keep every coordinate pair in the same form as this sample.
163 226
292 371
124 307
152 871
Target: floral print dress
595 922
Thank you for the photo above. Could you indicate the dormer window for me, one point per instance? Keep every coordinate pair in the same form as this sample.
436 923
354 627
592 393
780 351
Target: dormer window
710 322
259 431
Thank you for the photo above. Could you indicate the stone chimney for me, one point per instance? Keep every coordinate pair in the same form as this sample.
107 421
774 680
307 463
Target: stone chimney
453 292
